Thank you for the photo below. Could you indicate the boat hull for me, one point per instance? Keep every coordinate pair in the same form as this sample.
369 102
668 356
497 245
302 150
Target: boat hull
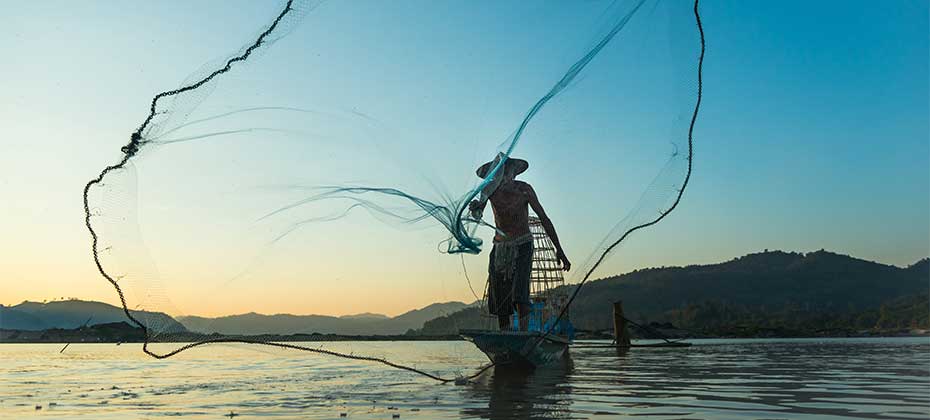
519 348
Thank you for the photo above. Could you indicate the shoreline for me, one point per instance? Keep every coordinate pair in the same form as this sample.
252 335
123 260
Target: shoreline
121 332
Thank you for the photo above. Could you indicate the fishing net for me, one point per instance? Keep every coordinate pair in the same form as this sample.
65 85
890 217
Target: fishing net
328 167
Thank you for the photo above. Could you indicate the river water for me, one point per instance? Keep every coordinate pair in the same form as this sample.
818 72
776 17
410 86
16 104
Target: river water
873 378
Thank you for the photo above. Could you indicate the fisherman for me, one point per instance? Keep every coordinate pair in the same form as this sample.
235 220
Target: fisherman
511 259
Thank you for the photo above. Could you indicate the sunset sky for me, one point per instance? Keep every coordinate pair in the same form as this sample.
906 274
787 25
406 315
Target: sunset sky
814 133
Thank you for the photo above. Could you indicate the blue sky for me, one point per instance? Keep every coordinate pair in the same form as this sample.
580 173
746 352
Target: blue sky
813 134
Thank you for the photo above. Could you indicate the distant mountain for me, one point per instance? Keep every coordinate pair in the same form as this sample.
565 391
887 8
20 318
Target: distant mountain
781 287
366 315
363 324
471 317
69 314
415 318
16 320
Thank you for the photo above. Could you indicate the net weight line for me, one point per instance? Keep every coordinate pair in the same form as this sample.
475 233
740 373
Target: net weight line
132 148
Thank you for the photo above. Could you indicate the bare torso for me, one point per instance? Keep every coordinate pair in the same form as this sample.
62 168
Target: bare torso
510 203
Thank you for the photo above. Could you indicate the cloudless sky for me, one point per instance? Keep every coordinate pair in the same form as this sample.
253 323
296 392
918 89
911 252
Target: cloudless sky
814 133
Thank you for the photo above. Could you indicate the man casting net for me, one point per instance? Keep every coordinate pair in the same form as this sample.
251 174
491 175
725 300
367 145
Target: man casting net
315 169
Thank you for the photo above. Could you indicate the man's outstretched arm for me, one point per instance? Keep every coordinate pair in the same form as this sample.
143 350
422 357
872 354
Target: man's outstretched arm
547 225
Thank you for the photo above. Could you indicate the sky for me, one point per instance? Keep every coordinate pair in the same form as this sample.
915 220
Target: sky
814 133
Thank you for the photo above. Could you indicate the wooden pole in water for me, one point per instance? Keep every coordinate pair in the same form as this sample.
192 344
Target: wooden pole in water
621 334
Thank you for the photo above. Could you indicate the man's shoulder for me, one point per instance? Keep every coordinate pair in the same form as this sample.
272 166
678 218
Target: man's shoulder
524 186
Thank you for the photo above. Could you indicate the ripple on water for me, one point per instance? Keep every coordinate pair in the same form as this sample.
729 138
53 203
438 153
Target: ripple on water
715 379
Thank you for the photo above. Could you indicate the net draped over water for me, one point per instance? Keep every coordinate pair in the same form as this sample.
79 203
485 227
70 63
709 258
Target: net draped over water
330 157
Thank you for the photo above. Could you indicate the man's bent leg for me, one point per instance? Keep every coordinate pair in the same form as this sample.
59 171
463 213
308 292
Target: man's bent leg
503 321
524 311
521 284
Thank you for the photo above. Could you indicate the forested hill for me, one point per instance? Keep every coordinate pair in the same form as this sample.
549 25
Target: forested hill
818 281
767 288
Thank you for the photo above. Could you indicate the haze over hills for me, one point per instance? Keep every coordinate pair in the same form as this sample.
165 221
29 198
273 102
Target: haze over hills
68 314
366 315
74 313
363 324
814 290
772 288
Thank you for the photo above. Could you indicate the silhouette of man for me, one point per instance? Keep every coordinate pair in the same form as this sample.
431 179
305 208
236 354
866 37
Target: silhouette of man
511 259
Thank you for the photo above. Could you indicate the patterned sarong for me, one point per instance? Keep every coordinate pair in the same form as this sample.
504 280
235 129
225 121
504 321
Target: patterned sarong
509 269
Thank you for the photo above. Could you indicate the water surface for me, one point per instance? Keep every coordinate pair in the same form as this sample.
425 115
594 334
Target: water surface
876 378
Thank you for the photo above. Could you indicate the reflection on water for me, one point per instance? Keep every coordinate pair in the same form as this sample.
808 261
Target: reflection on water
715 379
517 393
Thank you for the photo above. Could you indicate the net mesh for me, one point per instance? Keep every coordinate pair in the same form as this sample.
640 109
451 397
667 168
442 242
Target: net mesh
264 157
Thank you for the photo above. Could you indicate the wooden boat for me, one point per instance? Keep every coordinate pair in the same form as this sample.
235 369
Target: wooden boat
519 348
532 348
